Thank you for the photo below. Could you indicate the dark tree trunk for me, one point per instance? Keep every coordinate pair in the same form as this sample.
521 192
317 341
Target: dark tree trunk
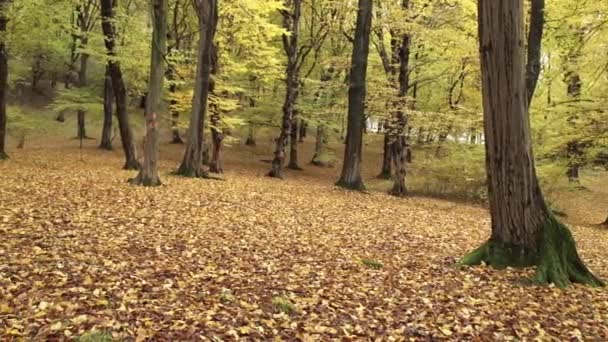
351 168
108 98
386 172
250 136
3 79
192 162
291 23
293 142
535 37
118 85
217 136
303 130
148 173
81 129
399 146
524 232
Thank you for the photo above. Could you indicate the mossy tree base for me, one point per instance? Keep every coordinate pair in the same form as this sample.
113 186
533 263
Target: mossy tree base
556 262
3 156
145 181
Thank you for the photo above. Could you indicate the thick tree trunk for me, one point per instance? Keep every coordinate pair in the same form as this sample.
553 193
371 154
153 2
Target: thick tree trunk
291 23
118 85
3 79
192 162
524 232
351 168
148 173
108 98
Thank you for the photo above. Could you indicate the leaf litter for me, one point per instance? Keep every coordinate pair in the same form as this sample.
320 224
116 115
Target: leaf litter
84 255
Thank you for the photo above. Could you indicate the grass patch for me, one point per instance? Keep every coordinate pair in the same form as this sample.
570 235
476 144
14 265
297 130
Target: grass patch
284 305
371 263
95 336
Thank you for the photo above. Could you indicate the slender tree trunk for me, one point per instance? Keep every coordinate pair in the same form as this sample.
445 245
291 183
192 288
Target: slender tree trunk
148 173
192 162
293 141
524 232
250 136
386 172
118 85
399 146
303 130
3 79
217 137
81 129
535 37
351 168
108 98
291 22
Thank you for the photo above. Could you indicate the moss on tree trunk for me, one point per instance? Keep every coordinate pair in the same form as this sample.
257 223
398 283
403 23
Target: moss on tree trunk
557 260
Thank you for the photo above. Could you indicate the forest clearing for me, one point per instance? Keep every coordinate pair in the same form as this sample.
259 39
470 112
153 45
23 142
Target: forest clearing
303 170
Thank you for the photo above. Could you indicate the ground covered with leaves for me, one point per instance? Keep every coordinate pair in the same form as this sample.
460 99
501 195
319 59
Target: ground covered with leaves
85 255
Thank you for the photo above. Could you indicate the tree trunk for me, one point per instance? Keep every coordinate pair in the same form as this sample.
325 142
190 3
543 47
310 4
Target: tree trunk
3 79
303 130
524 232
398 132
351 168
320 157
293 141
148 173
535 37
291 23
250 136
81 129
386 172
108 97
192 162
217 136
118 85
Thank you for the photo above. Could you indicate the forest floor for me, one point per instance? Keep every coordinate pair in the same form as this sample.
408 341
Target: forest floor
259 259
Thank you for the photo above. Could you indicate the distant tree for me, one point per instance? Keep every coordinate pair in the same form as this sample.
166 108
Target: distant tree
192 162
118 84
3 77
524 231
108 111
148 173
291 23
351 169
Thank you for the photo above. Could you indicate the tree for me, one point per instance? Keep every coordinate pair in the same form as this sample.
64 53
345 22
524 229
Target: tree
535 37
291 23
192 162
118 84
524 231
3 77
148 173
108 98
351 168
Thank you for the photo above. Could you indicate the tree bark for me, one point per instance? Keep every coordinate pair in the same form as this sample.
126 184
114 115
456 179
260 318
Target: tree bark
291 23
118 85
293 142
148 173
192 162
250 136
524 232
386 171
176 138
108 98
3 79
351 168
